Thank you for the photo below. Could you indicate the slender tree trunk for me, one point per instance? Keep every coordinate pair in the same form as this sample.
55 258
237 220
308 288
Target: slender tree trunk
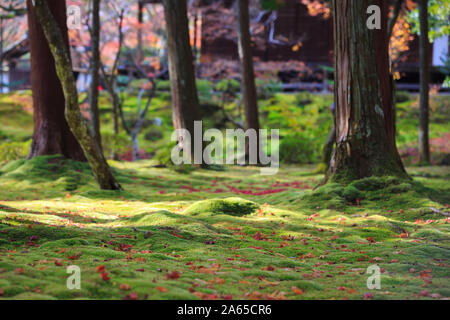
51 131
55 39
140 55
195 49
115 114
424 144
95 67
395 14
391 24
1 54
181 67
135 140
365 134
247 72
111 83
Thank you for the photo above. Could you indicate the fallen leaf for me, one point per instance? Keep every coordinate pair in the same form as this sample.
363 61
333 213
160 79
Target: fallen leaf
297 291
124 287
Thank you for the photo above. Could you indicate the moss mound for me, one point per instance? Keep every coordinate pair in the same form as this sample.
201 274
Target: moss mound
335 195
230 206
67 174
375 183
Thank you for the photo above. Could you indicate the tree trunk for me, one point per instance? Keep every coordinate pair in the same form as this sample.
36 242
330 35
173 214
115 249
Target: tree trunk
115 116
51 131
55 39
365 133
95 71
327 152
393 20
247 72
424 144
139 54
135 140
181 67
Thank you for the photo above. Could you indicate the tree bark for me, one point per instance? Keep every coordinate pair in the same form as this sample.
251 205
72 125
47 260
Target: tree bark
395 14
424 144
51 132
181 67
95 35
327 151
139 54
247 71
365 131
80 129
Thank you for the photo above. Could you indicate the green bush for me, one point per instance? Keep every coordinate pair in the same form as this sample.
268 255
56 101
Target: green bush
205 90
402 96
115 143
14 150
298 149
303 98
163 157
153 134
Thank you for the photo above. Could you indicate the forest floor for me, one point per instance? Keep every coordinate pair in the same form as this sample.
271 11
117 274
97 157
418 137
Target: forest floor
168 236
275 238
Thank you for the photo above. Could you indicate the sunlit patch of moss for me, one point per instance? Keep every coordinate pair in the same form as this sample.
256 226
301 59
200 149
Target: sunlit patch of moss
315 241
230 206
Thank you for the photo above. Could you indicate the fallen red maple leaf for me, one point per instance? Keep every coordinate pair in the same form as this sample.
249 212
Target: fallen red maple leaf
100 268
104 276
173 275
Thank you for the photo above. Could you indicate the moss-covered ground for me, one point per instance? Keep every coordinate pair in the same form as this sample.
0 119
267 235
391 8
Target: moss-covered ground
222 234
231 234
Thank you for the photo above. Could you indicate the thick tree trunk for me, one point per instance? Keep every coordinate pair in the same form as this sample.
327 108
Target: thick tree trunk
55 39
327 151
424 144
247 72
95 67
181 67
365 131
51 131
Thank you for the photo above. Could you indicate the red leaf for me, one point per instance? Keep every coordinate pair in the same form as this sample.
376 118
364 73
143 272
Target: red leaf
101 268
176 235
297 291
124 287
104 276
173 275
132 296
161 289
368 296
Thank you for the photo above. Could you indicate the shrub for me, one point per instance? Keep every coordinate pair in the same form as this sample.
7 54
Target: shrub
14 150
303 98
163 156
119 143
153 134
402 96
298 149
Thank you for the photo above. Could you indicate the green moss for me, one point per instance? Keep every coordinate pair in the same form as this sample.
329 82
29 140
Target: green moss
228 206
351 194
375 183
